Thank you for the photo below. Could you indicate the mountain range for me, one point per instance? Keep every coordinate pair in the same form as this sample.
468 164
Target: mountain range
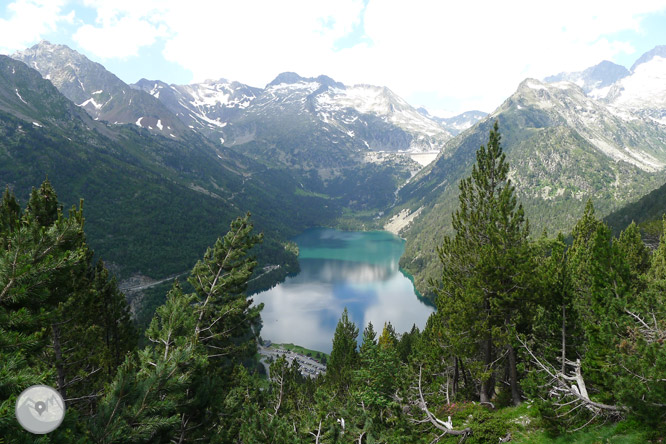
303 151
132 179
564 144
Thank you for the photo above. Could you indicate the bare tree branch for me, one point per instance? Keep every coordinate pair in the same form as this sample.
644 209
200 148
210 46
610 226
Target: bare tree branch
445 426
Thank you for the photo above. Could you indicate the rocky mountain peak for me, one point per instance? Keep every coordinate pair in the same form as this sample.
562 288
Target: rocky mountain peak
657 51
595 80
99 92
286 77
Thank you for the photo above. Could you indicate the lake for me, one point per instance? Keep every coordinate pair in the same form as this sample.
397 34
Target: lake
357 270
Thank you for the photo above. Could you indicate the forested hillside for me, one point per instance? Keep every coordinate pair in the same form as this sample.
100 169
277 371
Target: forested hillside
145 195
532 339
564 148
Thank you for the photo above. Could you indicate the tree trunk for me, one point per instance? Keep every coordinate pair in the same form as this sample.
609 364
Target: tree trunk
464 373
513 376
456 376
484 395
59 364
564 336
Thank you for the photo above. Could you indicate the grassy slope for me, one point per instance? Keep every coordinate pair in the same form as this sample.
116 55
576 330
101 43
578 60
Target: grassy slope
525 427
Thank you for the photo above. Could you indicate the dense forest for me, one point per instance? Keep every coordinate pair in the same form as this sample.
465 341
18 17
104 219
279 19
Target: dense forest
533 335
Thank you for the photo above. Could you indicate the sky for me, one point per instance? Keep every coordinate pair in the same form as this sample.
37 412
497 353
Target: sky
447 56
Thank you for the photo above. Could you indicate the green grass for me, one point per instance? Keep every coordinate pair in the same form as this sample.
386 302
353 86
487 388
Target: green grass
619 433
302 192
299 349
526 428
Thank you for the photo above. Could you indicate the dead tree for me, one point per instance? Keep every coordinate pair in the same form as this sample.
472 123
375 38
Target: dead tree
649 329
444 428
569 390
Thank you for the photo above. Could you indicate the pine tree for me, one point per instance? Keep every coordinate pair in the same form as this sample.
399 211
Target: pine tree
144 403
43 207
642 347
10 211
112 316
636 254
227 324
485 268
369 339
33 260
344 356
178 387
407 342
388 338
554 328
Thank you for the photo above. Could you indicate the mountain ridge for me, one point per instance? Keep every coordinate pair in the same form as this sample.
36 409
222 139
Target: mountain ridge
101 93
563 147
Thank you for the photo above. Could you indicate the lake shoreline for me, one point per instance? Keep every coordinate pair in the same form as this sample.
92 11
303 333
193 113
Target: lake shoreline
357 270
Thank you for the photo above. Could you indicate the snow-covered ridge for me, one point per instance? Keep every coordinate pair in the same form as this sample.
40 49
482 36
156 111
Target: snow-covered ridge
217 106
382 102
644 88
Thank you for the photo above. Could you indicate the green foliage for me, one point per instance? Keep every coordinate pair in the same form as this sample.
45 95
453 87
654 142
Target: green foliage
626 432
379 370
486 267
600 300
344 356
62 321
195 342
635 253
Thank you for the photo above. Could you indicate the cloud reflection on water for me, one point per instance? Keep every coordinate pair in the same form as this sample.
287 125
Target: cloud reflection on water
305 308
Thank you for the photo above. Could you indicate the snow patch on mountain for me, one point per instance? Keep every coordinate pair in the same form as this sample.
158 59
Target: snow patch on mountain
645 88
92 102
19 96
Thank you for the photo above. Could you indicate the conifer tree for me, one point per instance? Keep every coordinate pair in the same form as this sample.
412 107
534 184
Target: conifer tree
636 254
344 356
110 310
33 260
178 387
485 281
145 401
554 328
407 342
388 338
10 212
369 339
642 347
601 281
367 359
227 324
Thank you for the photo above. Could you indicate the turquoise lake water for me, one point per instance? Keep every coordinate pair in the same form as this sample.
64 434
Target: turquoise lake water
357 270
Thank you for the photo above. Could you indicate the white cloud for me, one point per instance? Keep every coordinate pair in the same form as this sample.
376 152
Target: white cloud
121 28
476 52
121 39
27 21
253 41
473 50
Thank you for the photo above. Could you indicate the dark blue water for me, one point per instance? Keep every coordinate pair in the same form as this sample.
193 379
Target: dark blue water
357 270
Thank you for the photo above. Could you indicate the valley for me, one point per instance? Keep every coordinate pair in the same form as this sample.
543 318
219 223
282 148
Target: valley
354 156
467 267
